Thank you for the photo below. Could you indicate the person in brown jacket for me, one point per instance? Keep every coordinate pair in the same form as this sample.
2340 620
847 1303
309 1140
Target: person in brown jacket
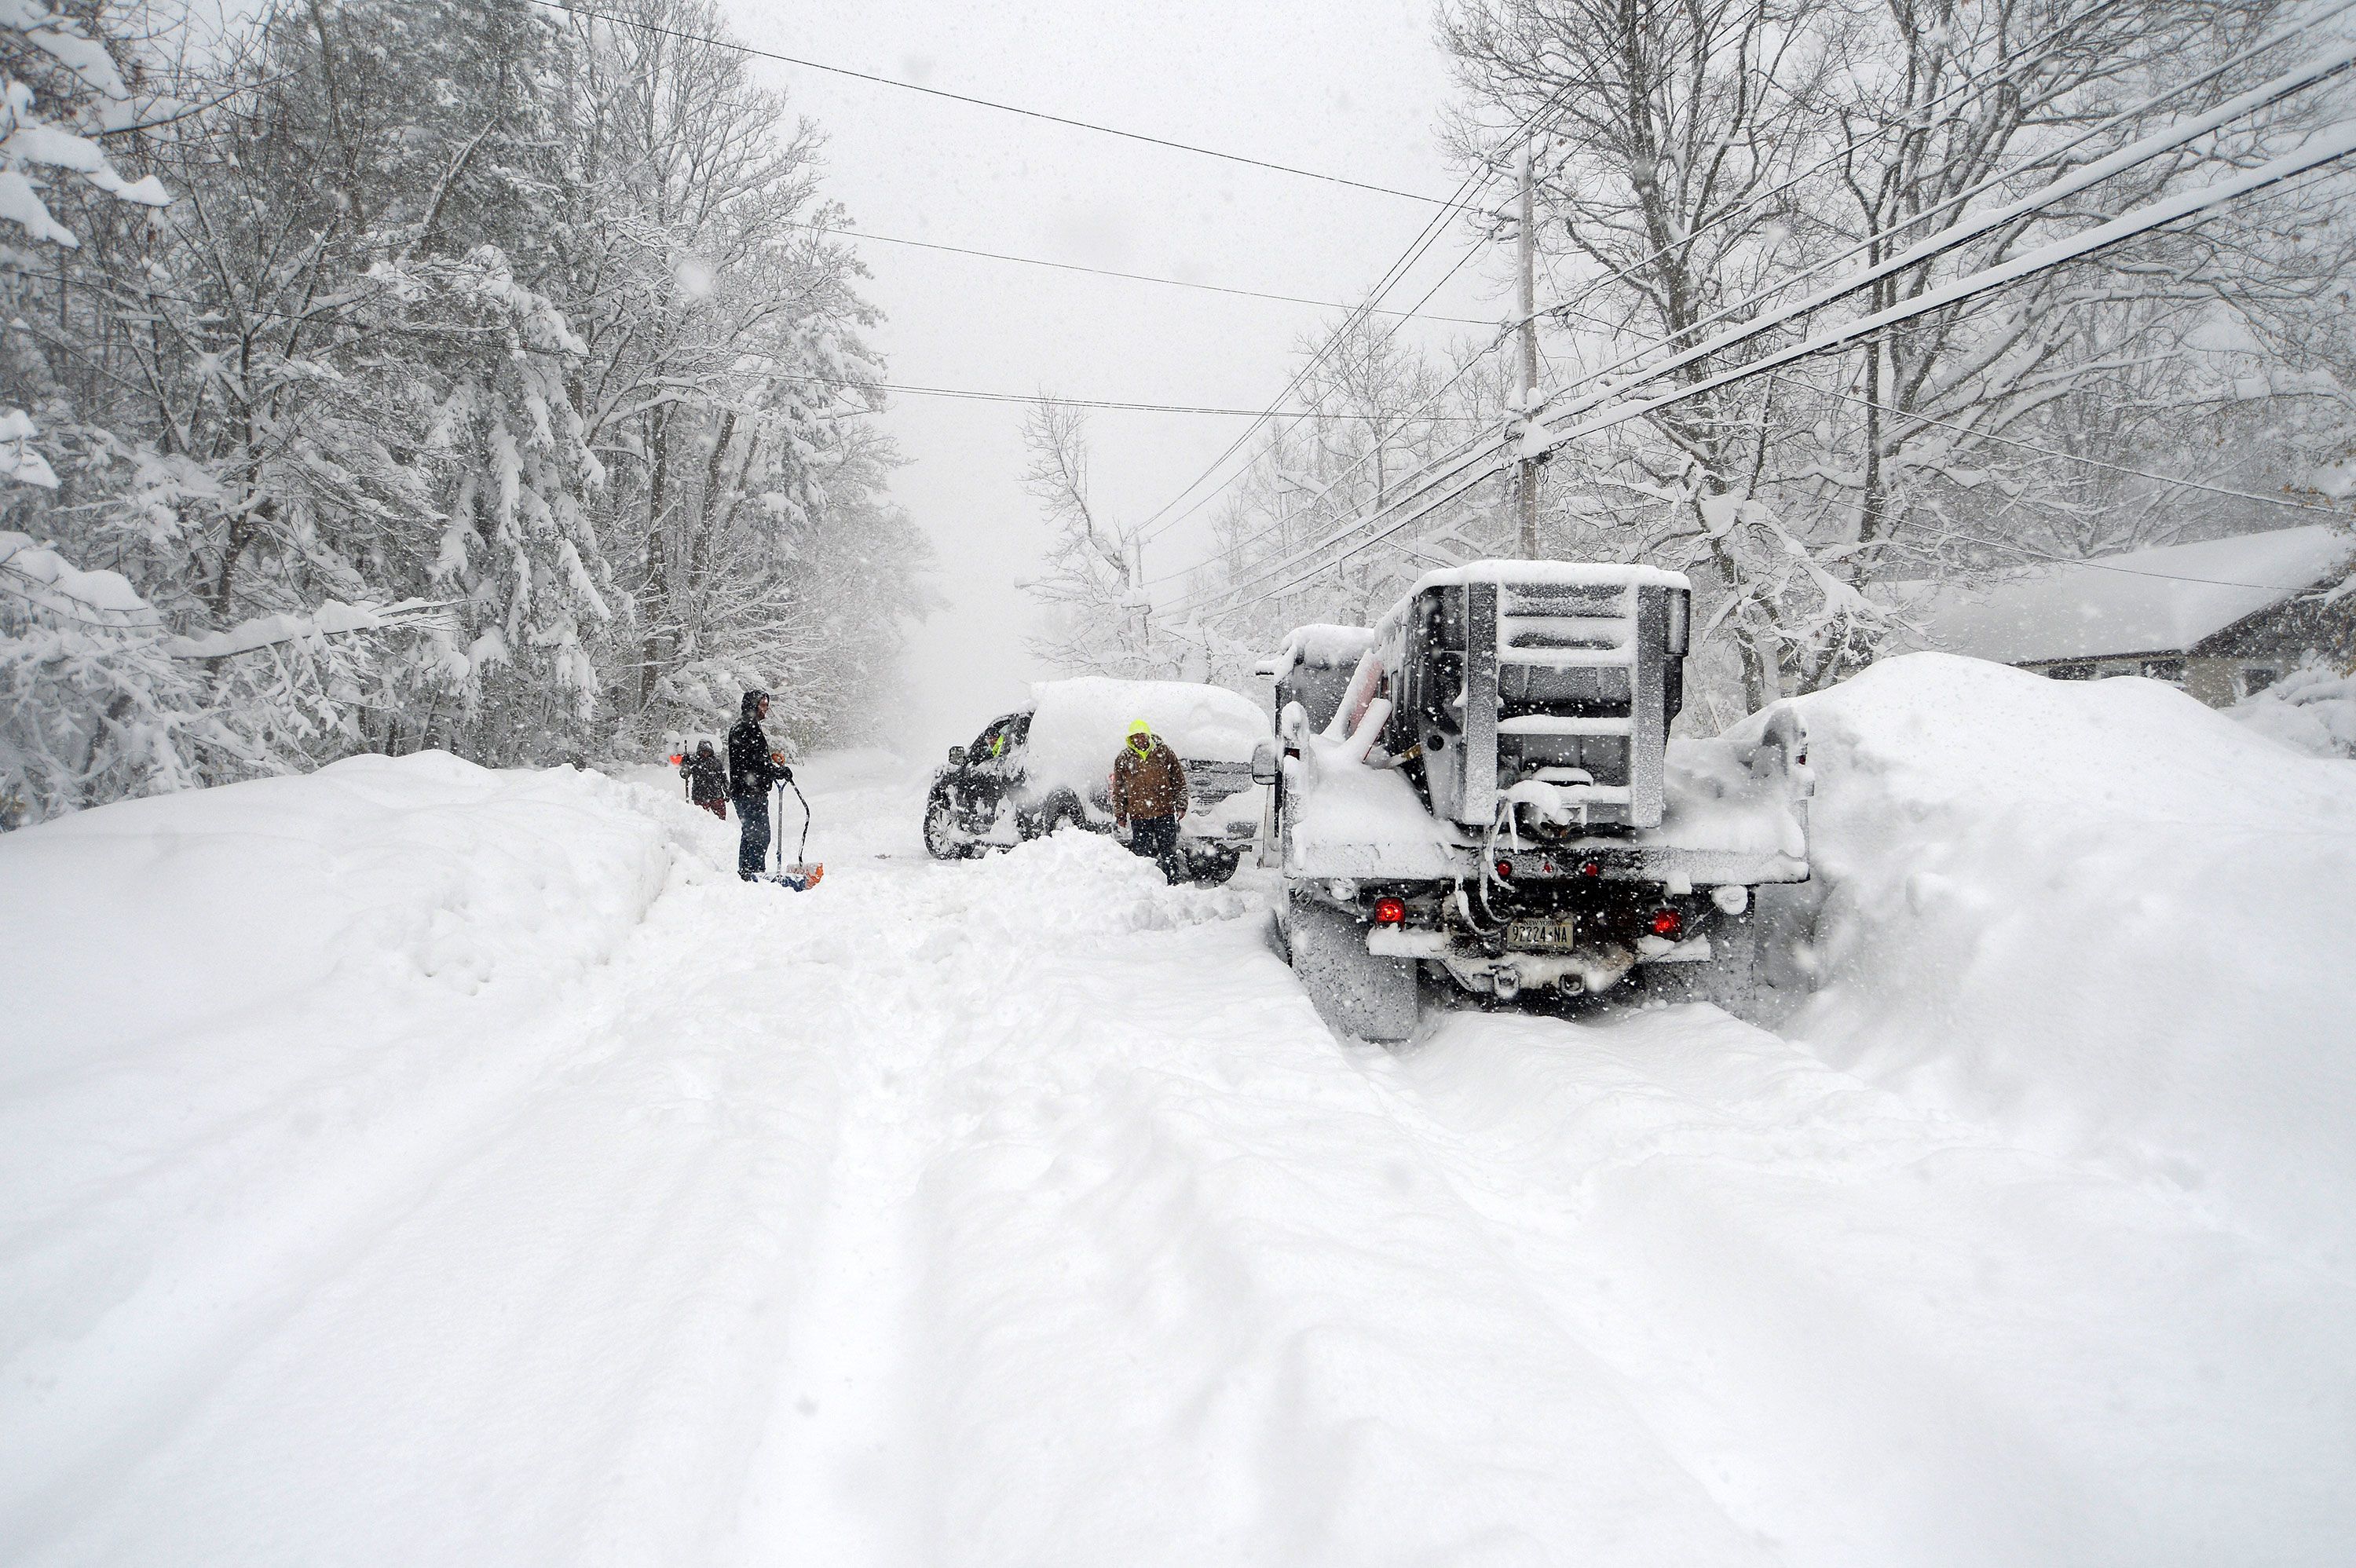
1149 796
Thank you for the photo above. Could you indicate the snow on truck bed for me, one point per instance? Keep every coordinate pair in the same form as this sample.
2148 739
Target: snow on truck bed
1351 820
416 1164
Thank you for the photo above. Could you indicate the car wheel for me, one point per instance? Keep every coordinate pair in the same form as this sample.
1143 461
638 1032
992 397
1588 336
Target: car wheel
942 839
1211 868
1062 812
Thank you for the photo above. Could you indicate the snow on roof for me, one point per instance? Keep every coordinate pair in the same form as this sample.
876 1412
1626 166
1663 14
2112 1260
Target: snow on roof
1568 573
1323 645
2146 602
1079 726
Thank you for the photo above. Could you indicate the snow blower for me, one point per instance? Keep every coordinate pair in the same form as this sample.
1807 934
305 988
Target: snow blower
803 874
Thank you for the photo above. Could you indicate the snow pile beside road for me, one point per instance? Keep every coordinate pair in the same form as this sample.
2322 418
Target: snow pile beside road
240 1022
2100 916
1078 885
136 921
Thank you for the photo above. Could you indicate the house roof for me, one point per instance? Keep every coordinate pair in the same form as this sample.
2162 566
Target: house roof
2147 601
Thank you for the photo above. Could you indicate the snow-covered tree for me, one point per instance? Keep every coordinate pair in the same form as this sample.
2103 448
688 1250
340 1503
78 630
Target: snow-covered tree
496 340
1699 166
1095 616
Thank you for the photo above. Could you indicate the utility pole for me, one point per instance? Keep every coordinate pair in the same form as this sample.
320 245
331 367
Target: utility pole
1528 472
1140 607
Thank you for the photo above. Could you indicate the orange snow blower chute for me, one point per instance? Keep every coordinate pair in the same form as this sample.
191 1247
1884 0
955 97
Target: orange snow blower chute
804 873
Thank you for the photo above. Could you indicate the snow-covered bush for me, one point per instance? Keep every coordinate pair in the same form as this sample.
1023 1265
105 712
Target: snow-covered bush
94 707
58 78
2311 710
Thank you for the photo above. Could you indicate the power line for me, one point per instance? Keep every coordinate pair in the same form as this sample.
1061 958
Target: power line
972 395
2271 40
1937 244
1439 471
2325 148
1065 119
1148 531
966 393
1475 180
1109 273
1564 305
2332 512
2318 69
1416 413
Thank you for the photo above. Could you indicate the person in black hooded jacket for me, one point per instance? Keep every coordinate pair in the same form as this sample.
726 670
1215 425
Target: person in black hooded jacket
707 780
753 767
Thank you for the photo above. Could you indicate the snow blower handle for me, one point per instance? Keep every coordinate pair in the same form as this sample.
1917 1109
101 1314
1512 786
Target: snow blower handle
801 855
801 876
777 810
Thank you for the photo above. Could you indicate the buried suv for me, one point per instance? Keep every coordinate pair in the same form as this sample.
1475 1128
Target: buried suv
1049 765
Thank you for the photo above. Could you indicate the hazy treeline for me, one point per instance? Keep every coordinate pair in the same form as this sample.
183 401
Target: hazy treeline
517 331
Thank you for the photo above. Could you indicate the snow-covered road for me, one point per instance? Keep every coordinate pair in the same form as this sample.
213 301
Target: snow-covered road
1021 1212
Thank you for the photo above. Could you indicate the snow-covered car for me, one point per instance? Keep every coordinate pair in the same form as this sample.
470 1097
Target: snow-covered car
1049 765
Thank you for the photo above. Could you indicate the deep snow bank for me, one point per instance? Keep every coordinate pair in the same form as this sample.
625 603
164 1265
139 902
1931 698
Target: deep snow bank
2100 916
137 920
236 1017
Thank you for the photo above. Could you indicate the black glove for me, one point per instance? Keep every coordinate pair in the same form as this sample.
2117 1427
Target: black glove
785 774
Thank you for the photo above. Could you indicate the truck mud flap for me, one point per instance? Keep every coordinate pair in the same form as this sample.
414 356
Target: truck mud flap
1355 991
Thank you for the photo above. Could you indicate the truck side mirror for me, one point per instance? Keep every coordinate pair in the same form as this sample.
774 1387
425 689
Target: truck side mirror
957 756
1264 762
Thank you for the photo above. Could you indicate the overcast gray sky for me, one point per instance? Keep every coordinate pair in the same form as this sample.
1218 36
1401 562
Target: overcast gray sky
1352 87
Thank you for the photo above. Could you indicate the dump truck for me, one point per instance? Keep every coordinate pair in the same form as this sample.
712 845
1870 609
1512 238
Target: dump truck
1491 800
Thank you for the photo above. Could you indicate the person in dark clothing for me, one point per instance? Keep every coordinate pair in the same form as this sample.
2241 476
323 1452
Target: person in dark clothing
1149 796
753 767
707 780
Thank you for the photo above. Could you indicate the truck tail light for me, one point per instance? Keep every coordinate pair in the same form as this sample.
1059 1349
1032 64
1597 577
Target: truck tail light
1667 922
1504 870
1390 911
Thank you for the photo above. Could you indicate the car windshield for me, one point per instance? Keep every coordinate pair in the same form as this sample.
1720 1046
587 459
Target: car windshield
999 734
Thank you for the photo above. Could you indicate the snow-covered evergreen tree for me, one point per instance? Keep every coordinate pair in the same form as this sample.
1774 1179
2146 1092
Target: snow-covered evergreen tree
481 386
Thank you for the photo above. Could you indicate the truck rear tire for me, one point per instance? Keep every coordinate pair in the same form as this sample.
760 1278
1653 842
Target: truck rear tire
1355 991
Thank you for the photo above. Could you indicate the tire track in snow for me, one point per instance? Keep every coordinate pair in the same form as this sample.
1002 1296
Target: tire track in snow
411 1357
1022 1211
1182 1270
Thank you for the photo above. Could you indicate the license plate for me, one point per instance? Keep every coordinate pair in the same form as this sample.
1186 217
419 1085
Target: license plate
1554 933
